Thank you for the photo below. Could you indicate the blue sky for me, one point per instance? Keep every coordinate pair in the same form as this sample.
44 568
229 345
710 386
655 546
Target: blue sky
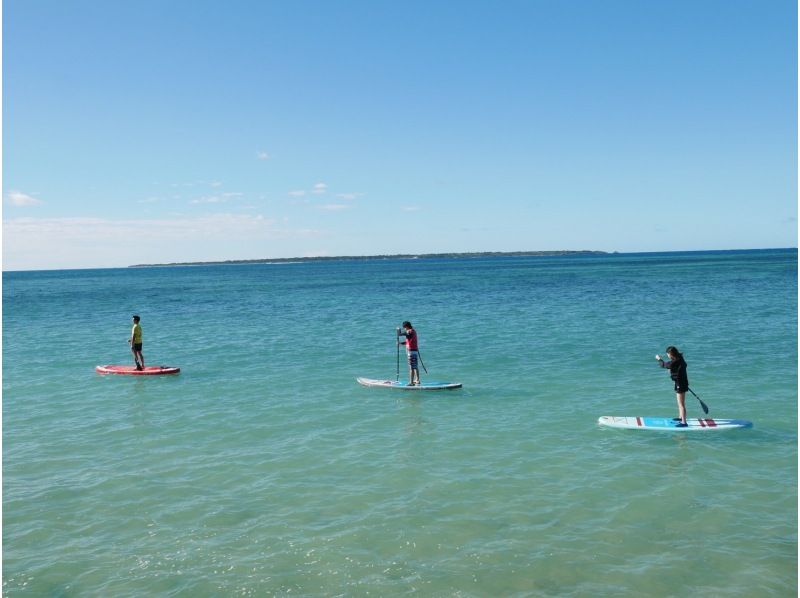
162 131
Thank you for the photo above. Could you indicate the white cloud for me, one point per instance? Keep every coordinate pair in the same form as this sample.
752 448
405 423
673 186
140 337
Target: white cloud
262 155
321 189
100 228
43 243
411 208
17 198
220 198
208 199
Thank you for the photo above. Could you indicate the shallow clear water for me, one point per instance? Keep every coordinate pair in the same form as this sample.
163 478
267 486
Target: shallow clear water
264 469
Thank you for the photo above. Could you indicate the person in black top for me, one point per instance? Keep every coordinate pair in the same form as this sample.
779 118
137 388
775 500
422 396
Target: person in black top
677 371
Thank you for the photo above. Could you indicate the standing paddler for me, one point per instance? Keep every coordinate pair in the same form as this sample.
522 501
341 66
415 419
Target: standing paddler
677 371
412 351
136 344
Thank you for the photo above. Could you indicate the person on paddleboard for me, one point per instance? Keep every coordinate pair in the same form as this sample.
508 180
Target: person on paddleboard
412 350
135 342
677 371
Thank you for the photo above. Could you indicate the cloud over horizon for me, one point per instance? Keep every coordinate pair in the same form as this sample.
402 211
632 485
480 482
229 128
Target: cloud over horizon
19 199
101 242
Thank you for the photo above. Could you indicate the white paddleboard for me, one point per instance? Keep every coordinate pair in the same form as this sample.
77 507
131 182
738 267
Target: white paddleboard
403 386
665 424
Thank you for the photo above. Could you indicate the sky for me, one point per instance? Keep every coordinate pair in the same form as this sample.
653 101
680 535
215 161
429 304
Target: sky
164 131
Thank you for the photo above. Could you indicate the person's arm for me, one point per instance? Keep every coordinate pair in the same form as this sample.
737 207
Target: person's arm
662 363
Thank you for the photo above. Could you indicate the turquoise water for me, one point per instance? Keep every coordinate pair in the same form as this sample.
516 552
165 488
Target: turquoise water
264 469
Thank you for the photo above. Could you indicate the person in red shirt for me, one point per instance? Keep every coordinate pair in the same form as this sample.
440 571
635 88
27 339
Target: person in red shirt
412 350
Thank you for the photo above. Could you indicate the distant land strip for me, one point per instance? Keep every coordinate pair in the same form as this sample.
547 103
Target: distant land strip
353 258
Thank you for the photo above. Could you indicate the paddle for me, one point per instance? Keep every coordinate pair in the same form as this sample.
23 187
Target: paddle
702 404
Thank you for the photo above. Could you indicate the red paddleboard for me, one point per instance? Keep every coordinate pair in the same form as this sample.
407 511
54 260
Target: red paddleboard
150 370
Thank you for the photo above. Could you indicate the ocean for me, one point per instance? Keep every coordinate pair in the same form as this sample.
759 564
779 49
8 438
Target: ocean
264 469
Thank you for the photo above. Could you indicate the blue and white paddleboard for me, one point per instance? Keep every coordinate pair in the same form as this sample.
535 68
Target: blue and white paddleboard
428 385
666 424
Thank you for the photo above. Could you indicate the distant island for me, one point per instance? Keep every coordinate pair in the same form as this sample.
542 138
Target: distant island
353 258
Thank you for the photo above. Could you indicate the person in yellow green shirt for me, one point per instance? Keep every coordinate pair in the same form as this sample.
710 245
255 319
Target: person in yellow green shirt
136 343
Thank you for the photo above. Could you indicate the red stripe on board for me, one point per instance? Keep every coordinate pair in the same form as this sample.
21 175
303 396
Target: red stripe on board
702 423
711 423
638 421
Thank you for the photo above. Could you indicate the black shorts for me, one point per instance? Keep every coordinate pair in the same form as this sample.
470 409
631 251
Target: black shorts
680 388
137 347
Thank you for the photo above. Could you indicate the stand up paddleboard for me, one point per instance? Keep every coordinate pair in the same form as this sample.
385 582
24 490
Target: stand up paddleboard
665 424
130 370
403 386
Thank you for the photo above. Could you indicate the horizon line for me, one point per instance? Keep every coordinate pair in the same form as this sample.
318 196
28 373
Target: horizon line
439 255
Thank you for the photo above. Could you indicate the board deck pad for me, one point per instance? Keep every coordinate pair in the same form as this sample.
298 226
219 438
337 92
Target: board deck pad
130 370
666 424
394 384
